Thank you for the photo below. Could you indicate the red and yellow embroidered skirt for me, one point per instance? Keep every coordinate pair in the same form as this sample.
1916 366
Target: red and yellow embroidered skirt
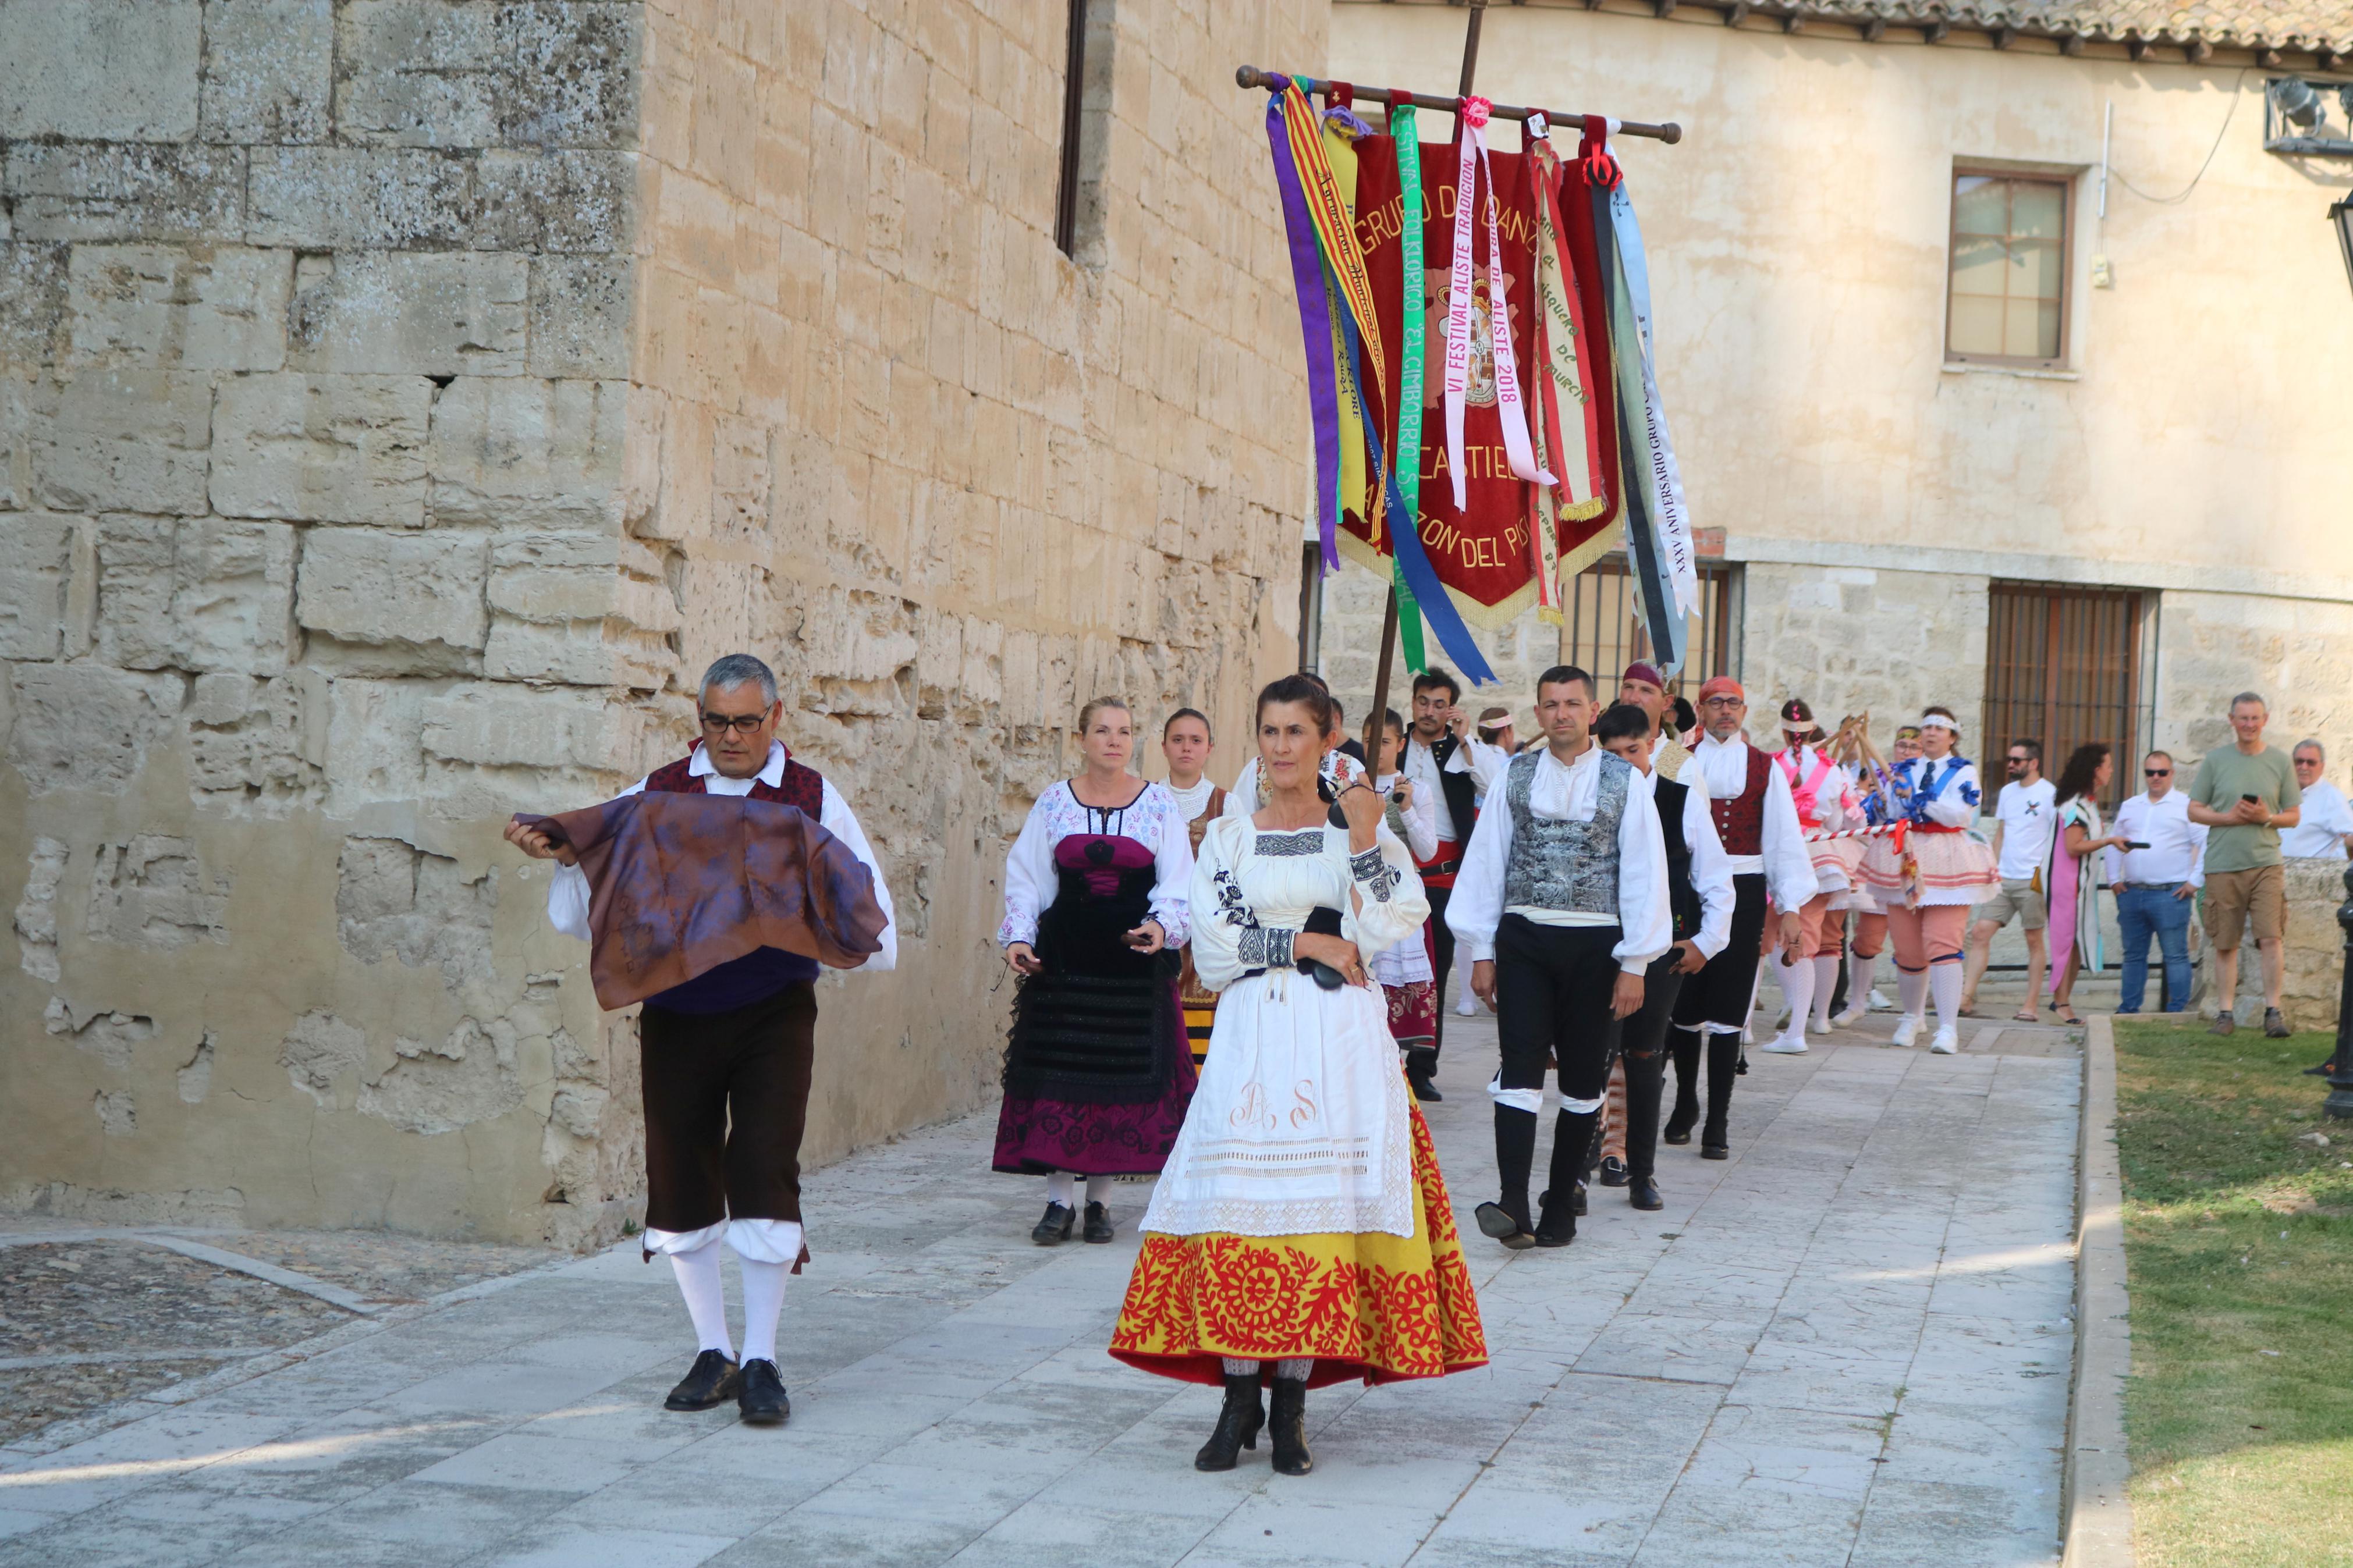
1376 1306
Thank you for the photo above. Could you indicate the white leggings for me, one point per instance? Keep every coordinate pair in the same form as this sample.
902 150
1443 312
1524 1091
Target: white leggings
1296 1367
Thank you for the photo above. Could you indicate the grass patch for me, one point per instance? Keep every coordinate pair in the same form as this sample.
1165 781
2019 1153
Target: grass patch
2239 1249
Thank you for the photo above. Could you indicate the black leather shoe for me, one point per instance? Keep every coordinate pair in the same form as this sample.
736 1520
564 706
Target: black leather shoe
1643 1194
1099 1225
707 1383
1679 1122
1613 1170
1557 1226
1576 1203
761 1400
1498 1222
1288 1418
1238 1423
1714 1145
1055 1226
1419 1064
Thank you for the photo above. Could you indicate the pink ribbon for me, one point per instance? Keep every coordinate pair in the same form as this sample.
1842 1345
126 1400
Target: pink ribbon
1516 448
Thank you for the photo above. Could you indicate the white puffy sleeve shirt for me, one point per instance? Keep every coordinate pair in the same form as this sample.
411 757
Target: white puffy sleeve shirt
1786 865
1567 792
1153 819
1710 868
1420 818
1253 891
567 891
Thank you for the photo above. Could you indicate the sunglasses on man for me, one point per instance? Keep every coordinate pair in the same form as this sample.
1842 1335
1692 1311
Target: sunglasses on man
2156 772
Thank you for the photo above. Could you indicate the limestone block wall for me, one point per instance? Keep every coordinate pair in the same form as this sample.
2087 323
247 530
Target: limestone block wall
2297 652
951 482
401 399
1848 639
1353 604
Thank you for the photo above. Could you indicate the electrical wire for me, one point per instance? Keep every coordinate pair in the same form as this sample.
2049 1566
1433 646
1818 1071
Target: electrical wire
2183 195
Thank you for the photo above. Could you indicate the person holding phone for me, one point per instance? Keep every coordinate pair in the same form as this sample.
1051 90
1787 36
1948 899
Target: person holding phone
2155 873
1301 1233
2244 794
1098 1072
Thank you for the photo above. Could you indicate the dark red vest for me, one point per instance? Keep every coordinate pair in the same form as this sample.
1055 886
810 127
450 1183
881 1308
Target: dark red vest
1740 821
801 786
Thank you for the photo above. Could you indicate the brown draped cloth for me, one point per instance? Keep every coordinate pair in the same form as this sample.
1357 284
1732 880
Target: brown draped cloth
683 883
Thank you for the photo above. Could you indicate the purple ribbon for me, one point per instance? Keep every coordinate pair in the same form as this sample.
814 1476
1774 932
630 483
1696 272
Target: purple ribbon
1314 327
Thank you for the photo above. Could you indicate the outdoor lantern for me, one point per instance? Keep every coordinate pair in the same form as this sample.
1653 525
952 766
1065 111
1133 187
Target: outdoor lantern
2340 214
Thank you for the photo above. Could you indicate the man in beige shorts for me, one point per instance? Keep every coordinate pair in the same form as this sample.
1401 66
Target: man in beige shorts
2023 814
2245 794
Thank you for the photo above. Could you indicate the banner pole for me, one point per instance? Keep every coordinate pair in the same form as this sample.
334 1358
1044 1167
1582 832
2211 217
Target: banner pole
1373 719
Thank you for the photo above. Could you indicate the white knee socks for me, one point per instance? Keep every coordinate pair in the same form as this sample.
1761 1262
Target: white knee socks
1825 987
706 1303
1098 1189
1858 981
764 1303
1911 991
1797 985
1058 1189
1945 980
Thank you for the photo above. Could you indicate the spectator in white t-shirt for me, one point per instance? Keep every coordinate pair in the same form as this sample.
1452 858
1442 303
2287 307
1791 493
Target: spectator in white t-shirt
2326 829
2024 816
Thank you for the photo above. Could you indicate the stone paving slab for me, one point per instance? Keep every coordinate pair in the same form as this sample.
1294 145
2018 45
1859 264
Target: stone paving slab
1848 1345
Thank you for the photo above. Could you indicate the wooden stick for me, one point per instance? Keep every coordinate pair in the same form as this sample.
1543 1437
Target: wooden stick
1567 119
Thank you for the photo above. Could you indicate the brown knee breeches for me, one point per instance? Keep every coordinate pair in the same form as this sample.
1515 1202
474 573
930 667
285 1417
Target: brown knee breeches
726 1095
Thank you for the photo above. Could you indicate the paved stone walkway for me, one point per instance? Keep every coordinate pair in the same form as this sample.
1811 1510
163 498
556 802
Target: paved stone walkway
1849 1344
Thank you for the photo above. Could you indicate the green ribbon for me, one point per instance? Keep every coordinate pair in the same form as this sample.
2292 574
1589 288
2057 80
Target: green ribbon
1407 137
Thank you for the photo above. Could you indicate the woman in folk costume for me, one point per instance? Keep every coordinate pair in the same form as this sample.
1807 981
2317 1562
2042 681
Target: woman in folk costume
1408 971
1929 884
2074 875
1184 745
1826 804
1097 1075
1870 938
1337 767
1300 1230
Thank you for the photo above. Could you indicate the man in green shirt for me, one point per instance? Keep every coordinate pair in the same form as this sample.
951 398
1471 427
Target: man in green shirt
2246 794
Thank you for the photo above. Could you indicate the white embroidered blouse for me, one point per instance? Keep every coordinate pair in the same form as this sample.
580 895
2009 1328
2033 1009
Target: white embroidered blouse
1153 819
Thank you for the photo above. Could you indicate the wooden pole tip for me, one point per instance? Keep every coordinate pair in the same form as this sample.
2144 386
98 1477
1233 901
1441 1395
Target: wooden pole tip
1245 76
1671 133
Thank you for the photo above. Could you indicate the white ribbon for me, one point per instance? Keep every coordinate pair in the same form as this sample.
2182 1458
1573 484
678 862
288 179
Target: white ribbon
1666 476
1516 449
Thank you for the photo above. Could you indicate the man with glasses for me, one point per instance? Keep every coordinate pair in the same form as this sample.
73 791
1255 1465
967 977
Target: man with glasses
727 1059
1757 823
2325 831
2024 815
2155 876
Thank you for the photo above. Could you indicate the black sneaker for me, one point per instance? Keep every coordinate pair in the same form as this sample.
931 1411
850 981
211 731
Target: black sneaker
1099 1225
761 1400
1613 1170
2274 1026
1055 1226
710 1383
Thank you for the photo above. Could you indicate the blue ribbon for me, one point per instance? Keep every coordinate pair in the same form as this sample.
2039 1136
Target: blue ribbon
1405 533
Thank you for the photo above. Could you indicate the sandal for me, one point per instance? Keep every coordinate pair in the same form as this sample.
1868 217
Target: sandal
2067 1017
2026 1016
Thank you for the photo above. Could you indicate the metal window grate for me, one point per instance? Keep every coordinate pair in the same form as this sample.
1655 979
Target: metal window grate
1604 631
2063 667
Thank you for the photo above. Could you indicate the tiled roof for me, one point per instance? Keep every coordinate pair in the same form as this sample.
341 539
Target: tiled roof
2301 26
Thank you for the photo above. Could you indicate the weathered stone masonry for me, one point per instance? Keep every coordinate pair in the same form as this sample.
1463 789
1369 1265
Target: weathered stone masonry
400 399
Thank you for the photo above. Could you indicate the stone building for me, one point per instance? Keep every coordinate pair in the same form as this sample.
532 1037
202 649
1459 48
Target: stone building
402 400
2100 529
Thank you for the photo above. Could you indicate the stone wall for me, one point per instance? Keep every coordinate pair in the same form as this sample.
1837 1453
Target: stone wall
401 399
1851 638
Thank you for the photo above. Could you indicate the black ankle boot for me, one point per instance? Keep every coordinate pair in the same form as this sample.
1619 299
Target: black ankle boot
1679 1122
1421 1063
1237 1426
1714 1145
1289 1420
1557 1225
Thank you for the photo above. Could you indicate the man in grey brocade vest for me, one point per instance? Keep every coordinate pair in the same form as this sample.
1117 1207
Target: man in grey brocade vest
1561 901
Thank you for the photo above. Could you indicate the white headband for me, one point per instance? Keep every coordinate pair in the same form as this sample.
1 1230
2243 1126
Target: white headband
1938 721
